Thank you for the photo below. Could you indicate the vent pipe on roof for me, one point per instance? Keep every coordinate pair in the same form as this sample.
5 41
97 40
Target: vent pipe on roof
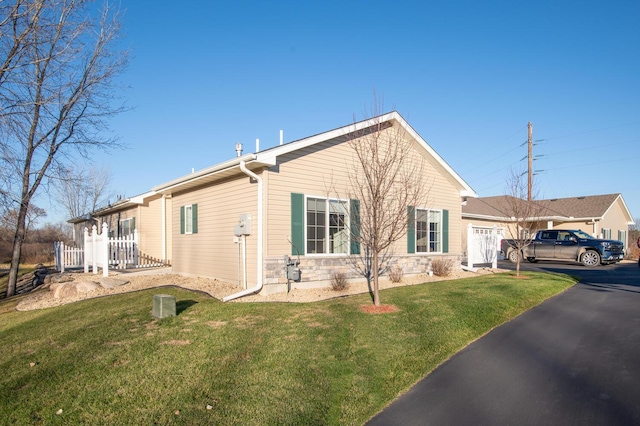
257 145
281 136
238 149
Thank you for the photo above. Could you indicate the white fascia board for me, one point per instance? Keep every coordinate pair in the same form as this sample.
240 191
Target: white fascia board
486 217
581 219
510 219
139 199
630 220
466 190
173 184
271 154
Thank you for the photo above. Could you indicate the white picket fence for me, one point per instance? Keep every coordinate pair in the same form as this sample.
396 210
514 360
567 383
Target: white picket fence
100 251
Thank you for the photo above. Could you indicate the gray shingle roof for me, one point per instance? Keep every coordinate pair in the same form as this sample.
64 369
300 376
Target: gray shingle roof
591 206
582 207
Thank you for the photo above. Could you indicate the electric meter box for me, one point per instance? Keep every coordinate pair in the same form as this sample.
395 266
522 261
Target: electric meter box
243 227
293 273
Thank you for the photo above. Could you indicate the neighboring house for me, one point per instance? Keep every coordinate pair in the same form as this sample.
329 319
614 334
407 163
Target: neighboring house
603 216
149 214
280 197
78 225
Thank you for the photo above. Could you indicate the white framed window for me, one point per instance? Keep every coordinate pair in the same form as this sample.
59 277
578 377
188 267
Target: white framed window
622 236
189 219
606 233
127 226
326 230
428 231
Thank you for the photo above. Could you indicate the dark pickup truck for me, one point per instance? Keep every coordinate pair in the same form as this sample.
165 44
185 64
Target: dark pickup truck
567 245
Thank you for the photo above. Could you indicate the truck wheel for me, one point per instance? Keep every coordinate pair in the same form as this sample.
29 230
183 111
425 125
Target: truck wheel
514 256
590 258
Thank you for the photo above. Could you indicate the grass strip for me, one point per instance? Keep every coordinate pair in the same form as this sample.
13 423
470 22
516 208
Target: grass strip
108 361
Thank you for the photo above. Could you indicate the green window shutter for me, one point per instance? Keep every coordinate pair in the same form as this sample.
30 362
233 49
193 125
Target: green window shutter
445 231
194 219
297 224
354 224
133 224
182 219
411 229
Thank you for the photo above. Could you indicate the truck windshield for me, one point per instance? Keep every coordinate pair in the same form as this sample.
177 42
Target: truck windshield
582 234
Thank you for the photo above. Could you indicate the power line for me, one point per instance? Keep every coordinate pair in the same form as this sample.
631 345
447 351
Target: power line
595 130
483 164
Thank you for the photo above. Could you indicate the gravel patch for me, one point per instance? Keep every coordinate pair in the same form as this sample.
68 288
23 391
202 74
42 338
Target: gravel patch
43 298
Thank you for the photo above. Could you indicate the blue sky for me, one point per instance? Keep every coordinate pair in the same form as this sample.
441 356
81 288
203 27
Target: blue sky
467 75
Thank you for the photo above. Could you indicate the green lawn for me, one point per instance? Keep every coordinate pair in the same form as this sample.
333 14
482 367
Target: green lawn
107 361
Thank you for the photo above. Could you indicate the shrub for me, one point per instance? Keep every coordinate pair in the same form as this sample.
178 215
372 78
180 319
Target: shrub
396 274
338 281
441 267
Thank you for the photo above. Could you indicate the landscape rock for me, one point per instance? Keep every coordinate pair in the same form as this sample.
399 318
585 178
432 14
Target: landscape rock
31 281
58 278
72 289
108 282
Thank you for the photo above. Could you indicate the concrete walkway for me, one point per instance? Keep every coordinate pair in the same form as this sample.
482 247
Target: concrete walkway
574 360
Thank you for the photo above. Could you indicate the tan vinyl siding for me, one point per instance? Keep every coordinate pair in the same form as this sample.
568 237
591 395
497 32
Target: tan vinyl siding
615 220
323 170
211 252
113 219
149 226
169 228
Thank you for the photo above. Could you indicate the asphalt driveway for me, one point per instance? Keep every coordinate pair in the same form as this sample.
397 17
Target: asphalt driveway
573 360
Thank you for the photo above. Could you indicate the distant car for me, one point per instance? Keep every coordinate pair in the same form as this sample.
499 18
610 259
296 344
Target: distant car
562 244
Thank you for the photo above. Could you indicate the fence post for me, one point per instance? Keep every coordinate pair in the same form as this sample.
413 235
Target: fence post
61 256
494 251
105 250
94 257
56 251
135 247
85 261
470 242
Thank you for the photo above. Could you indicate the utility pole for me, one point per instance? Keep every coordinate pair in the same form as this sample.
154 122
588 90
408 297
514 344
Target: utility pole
530 157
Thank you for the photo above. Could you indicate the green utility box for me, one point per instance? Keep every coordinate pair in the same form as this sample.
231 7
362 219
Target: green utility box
164 305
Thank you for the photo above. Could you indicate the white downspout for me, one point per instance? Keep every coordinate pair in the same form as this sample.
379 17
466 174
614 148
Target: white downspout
164 228
258 287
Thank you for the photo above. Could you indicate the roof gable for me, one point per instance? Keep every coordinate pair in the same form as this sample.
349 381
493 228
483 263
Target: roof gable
594 206
269 157
571 208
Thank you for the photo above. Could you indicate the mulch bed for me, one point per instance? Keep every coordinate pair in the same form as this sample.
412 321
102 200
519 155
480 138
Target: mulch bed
381 309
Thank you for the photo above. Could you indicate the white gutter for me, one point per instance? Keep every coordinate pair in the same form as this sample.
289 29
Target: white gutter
258 287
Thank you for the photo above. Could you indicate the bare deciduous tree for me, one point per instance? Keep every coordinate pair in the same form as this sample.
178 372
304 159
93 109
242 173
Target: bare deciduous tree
10 218
387 178
82 191
525 216
58 63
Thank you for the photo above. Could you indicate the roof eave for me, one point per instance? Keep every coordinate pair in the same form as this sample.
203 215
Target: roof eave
211 174
271 155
